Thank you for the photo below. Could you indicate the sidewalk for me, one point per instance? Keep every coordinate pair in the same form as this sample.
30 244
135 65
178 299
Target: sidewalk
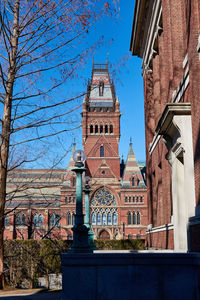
34 294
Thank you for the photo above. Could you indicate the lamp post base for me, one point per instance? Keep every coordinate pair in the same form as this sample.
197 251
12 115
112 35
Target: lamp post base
80 240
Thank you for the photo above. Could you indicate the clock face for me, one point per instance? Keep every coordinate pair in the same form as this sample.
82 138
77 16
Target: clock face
103 197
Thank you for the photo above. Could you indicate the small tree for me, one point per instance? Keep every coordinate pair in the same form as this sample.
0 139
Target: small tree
40 50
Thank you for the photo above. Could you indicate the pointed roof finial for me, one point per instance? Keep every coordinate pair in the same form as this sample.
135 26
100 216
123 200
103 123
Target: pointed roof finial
74 142
83 99
117 99
130 140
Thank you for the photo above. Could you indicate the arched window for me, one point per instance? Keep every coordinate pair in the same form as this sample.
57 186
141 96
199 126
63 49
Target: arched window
96 128
18 220
114 219
91 128
57 221
101 128
102 151
104 221
98 219
69 219
52 220
73 219
141 199
133 181
137 199
111 129
138 217
109 219
106 128
134 218
93 219
40 220
6 221
129 218
101 88
138 182
23 220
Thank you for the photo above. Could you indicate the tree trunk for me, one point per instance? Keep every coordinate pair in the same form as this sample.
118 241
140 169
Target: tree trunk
6 130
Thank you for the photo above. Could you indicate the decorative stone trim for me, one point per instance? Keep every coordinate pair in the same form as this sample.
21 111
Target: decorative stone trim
165 227
198 46
154 143
153 31
178 94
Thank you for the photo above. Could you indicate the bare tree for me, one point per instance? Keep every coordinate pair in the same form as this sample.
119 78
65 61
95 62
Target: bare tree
41 47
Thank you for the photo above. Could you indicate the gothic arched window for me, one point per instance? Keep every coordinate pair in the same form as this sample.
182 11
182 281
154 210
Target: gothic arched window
18 220
91 128
134 218
104 221
96 128
52 220
133 181
106 128
98 219
57 221
111 129
40 220
93 219
138 218
114 219
69 219
73 219
109 219
102 151
101 128
129 218
23 220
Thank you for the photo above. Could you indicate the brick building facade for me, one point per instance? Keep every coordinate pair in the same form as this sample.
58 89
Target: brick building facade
166 35
45 202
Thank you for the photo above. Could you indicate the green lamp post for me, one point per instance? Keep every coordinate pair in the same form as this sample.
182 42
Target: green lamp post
80 231
87 213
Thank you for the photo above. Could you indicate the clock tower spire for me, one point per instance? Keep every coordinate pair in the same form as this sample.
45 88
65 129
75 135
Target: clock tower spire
101 126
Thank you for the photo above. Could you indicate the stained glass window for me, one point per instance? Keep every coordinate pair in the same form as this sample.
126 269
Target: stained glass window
114 219
109 219
104 219
98 219
93 219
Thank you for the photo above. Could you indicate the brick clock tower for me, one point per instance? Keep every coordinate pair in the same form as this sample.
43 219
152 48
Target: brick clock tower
118 197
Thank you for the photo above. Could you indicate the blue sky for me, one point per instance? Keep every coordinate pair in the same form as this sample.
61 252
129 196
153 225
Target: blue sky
125 70
128 81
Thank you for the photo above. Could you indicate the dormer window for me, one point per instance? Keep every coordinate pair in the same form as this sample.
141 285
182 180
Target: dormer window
101 88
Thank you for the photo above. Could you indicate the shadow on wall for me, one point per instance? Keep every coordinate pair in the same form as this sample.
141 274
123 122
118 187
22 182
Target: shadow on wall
197 159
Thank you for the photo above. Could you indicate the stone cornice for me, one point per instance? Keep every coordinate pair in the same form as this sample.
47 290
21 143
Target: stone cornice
171 109
145 29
